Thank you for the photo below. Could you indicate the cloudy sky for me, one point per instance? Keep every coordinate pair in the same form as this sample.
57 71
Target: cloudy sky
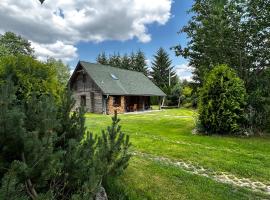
74 30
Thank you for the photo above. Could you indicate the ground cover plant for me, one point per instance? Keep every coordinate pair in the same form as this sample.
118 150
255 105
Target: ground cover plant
170 162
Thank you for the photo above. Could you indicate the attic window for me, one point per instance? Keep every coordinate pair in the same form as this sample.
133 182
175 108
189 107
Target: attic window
114 77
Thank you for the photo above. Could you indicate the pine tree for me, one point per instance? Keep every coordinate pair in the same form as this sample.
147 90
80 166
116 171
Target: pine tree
115 60
140 63
132 61
102 59
125 62
47 154
161 68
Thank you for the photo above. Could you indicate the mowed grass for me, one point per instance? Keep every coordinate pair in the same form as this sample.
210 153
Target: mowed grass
169 134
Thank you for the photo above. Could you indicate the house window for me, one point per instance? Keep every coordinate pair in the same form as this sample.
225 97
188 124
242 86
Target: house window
116 101
83 100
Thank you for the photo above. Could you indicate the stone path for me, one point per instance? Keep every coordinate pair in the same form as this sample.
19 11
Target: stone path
223 177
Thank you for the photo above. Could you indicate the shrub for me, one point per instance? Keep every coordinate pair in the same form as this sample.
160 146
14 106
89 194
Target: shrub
222 101
30 75
46 153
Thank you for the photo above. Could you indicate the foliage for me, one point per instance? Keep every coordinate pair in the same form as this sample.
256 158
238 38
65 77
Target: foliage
134 61
13 44
46 152
11 188
140 63
258 112
174 95
161 68
114 60
125 63
3 51
234 33
222 101
62 70
30 75
186 96
102 59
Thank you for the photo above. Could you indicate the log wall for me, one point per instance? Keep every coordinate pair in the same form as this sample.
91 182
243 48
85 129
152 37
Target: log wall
89 89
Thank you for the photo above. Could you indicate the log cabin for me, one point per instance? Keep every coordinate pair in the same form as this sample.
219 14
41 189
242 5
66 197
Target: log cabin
105 89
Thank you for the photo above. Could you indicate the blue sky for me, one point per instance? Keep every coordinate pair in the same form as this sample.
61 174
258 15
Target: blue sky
164 36
73 30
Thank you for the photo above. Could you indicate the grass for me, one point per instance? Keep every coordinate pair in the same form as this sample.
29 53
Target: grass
168 134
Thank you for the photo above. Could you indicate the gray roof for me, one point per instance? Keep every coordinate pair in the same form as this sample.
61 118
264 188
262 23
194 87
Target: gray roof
116 81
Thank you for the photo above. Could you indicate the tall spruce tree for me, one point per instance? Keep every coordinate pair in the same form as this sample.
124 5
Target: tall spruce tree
135 61
125 62
161 69
115 60
102 59
140 63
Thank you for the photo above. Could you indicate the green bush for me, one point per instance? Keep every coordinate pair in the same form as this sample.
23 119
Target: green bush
46 153
222 101
30 75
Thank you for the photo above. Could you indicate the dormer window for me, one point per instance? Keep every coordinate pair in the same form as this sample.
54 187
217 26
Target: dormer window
114 77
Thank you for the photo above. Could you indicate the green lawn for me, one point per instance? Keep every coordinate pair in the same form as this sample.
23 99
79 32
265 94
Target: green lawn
168 134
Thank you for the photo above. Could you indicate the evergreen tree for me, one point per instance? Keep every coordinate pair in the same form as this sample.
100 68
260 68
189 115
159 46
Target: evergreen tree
125 62
45 151
222 102
161 69
115 60
111 141
132 61
140 63
102 59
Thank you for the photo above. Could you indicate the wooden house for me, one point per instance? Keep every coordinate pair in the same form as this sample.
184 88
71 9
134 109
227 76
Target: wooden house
104 89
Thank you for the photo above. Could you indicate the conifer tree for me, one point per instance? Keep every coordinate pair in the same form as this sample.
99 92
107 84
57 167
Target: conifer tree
115 60
132 61
47 154
102 59
140 63
125 62
161 68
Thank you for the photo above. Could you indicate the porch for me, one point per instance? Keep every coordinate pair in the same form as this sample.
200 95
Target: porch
124 104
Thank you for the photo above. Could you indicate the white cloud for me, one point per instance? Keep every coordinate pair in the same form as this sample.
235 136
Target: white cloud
58 50
64 23
184 71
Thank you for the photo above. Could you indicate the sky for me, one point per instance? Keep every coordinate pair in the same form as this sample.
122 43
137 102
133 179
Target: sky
74 30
